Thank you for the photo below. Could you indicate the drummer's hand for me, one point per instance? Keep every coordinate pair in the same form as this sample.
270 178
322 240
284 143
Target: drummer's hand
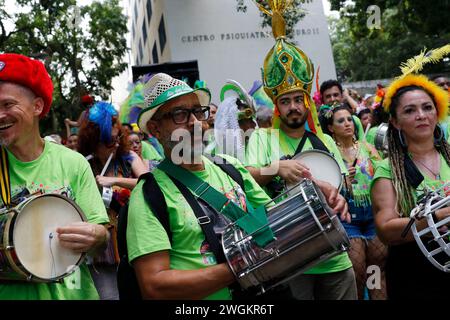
292 171
335 200
105 181
442 214
82 236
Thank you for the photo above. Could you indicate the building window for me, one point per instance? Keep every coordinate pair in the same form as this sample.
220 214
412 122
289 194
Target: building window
155 54
162 35
132 30
135 10
149 10
144 31
141 53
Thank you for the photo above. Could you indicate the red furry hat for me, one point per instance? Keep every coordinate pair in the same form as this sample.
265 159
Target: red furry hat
29 73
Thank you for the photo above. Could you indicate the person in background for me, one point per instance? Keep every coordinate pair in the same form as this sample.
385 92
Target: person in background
103 140
332 93
136 145
360 158
264 117
442 81
365 115
72 142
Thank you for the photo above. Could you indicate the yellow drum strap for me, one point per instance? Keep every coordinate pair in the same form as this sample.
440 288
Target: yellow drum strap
5 183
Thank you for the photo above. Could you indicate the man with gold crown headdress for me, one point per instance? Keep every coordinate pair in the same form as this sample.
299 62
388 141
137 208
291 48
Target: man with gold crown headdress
287 77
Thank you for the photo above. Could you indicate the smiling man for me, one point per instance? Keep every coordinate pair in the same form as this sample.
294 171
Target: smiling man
36 165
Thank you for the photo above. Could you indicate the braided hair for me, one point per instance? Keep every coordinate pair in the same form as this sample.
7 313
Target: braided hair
398 151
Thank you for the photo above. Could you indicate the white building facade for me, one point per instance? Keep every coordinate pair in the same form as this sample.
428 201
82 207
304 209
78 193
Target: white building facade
227 44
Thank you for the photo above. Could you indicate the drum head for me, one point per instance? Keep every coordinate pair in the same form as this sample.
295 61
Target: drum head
322 165
36 241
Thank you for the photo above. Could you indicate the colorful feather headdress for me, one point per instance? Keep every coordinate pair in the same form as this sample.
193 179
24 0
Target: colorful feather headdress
409 77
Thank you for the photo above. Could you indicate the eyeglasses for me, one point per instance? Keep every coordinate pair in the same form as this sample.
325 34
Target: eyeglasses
182 115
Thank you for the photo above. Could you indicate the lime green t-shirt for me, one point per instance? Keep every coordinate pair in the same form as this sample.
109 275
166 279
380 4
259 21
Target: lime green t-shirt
359 127
383 170
264 147
149 152
61 170
189 250
370 138
365 170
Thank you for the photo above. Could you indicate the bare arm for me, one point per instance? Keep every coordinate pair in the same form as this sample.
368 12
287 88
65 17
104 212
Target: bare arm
67 122
158 281
138 165
128 183
353 104
387 220
292 171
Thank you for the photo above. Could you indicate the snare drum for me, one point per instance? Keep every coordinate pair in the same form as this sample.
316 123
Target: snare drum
433 241
306 233
322 166
29 247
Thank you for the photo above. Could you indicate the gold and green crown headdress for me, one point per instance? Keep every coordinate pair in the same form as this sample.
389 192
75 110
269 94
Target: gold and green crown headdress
286 67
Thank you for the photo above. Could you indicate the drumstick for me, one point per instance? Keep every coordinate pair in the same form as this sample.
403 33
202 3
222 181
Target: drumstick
107 164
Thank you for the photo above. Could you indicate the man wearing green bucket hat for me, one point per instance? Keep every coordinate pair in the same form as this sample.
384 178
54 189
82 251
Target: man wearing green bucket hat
180 262
287 78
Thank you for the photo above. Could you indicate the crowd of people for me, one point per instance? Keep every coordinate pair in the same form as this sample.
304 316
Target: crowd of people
158 193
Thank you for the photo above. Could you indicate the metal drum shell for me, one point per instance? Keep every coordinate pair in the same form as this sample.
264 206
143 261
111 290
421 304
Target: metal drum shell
301 241
380 142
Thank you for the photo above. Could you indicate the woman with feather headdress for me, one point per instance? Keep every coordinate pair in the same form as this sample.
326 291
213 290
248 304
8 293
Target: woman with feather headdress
419 160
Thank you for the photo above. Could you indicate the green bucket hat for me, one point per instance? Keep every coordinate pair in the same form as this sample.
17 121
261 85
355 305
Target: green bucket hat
162 88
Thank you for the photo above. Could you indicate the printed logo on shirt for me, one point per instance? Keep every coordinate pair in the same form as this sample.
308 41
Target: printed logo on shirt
207 255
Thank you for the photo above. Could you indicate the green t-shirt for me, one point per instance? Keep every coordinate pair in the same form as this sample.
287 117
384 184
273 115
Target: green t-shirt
365 169
359 127
57 169
370 138
149 152
189 250
264 147
383 170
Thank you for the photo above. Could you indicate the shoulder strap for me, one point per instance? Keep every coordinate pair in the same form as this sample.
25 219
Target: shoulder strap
412 173
315 142
155 199
203 220
301 144
5 183
229 169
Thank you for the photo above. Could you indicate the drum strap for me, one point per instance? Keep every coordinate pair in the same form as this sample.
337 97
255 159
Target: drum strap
315 141
254 222
5 182
412 173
